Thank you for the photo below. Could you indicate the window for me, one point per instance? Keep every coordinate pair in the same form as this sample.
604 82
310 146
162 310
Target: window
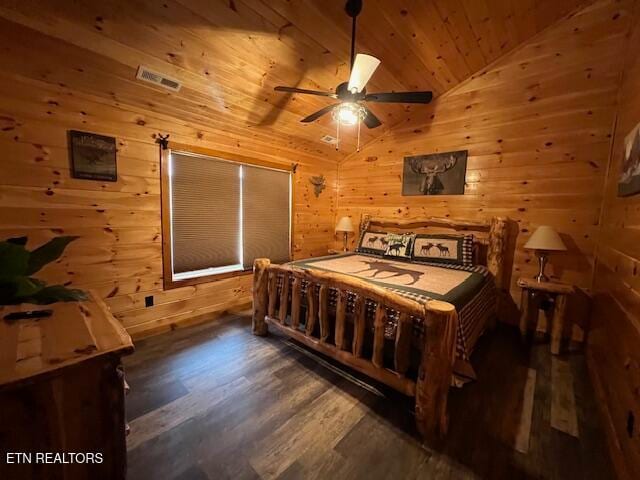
220 214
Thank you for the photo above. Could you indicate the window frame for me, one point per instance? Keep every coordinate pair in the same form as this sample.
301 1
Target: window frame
165 209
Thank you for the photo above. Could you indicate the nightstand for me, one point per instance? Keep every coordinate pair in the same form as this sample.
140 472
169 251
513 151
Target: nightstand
533 293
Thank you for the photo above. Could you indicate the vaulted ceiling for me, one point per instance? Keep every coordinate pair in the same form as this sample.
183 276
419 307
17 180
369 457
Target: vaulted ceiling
230 54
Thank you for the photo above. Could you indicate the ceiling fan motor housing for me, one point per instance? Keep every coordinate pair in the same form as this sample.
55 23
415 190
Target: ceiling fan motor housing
343 93
353 8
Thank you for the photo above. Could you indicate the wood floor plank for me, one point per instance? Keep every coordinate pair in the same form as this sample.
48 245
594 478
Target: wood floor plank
523 431
319 427
563 402
277 401
152 396
158 421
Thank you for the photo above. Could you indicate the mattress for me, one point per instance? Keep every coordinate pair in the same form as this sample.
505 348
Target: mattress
470 288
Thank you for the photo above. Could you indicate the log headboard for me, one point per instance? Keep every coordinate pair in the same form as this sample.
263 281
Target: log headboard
490 238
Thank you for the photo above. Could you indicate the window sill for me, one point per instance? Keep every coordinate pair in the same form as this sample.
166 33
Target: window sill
187 282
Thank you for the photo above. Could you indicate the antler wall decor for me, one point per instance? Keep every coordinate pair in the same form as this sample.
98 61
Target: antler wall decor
319 184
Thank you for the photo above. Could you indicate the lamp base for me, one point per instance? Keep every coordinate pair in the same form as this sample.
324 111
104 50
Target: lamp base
541 278
542 262
345 240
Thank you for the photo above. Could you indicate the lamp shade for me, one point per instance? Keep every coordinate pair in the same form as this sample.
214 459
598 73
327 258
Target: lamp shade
545 238
344 225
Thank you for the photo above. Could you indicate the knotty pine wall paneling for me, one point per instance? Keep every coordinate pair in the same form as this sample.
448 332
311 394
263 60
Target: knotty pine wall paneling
537 126
613 348
119 253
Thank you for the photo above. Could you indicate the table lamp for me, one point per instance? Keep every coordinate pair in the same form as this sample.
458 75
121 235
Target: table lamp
345 226
544 240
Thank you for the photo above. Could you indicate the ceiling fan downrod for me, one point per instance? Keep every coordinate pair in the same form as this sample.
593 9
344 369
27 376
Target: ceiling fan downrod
353 9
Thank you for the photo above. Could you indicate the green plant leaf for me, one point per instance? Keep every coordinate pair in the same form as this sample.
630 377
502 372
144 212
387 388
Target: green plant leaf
14 259
57 293
47 253
26 287
17 240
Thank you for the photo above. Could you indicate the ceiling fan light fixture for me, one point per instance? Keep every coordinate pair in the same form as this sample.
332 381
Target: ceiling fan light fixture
349 113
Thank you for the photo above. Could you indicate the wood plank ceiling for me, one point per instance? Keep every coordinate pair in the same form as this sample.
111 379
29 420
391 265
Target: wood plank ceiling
230 54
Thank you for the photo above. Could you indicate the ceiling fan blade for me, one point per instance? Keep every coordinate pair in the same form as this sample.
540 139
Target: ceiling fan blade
370 120
399 97
318 114
305 91
361 72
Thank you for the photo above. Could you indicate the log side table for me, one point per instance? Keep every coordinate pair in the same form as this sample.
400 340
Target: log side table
533 292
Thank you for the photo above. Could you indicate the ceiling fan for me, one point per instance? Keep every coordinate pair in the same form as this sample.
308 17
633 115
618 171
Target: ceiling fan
353 94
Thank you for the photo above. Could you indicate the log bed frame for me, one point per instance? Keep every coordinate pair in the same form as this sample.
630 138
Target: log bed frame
431 386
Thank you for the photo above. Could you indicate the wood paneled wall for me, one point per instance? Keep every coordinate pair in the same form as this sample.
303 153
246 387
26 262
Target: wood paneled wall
614 341
537 126
119 250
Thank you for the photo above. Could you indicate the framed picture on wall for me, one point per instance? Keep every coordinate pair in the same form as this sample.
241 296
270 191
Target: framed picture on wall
93 156
435 174
629 182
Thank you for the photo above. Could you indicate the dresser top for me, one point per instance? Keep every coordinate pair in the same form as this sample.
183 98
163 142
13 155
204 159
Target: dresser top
75 332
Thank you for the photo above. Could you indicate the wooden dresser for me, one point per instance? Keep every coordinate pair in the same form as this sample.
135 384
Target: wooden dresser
61 393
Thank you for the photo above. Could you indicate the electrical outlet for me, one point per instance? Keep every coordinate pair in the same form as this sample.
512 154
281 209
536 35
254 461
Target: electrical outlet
148 301
631 421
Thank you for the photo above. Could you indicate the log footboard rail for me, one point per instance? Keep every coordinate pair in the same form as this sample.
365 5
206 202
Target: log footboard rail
283 295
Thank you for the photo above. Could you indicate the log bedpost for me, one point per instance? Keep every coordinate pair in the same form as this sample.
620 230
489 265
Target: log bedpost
260 297
497 250
436 369
498 243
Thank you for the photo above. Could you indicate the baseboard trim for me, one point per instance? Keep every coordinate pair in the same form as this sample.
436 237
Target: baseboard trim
158 329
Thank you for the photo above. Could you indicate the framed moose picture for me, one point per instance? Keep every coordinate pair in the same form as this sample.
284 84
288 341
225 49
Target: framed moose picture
435 174
93 156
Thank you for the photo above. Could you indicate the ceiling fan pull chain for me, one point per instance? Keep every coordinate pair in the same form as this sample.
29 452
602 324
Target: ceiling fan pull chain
338 135
358 146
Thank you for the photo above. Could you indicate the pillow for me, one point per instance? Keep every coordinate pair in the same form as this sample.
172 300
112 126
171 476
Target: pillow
399 245
372 242
443 248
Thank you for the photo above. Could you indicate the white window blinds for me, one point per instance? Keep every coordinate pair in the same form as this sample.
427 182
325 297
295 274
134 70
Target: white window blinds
225 214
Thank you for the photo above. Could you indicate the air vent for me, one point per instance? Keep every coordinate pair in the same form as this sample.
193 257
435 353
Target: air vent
329 139
158 78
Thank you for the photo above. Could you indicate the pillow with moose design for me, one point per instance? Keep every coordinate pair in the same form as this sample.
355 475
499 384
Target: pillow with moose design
443 248
372 242
399 245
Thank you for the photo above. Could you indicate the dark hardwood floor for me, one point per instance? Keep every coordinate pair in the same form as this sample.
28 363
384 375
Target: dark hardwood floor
215 402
